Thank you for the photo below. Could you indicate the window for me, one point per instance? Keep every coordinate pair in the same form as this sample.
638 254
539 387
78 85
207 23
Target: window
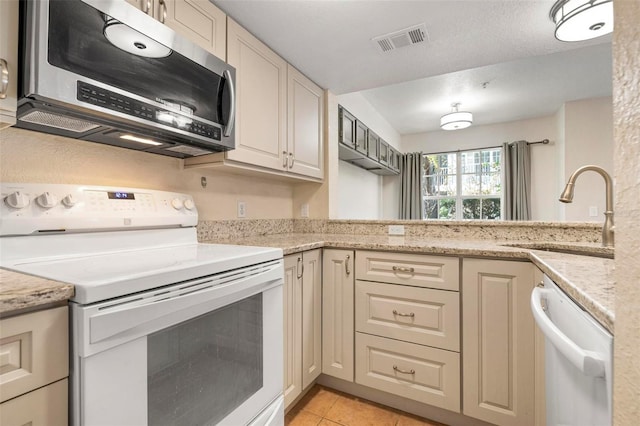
463 185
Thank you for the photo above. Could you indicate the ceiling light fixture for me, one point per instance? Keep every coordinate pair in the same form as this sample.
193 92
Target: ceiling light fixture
578 20
456 119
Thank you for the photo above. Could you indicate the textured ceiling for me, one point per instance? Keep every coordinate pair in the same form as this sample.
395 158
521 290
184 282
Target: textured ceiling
330 42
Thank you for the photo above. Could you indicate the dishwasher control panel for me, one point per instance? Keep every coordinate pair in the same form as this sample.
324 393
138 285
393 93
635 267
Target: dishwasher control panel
38 208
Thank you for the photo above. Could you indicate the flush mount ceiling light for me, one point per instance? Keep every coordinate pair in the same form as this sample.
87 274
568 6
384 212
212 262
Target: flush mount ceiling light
456 119
578 20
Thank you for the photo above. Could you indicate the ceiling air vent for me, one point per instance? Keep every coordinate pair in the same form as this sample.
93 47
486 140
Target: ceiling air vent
406 37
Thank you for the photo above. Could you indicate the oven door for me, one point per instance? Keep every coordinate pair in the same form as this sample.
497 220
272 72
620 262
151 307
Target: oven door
203 352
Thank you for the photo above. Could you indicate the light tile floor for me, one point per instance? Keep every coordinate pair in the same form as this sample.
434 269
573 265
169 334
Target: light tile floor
323 406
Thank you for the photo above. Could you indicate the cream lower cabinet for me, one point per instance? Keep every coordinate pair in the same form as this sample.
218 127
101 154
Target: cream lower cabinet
407 321
302 322
279 114
34 366
498 349
337 313
198 20
8 61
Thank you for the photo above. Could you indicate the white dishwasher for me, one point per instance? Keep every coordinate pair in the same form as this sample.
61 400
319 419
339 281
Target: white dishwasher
578 360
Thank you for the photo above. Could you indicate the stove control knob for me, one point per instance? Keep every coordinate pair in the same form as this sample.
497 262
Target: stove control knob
17 200
70 200
188 204
176 203
47 200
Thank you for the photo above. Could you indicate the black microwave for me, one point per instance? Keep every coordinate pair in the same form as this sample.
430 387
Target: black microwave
104 71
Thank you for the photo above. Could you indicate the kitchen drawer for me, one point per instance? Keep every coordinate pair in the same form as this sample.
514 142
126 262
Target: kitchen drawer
46 406
410 269
421 373
418 315
34 351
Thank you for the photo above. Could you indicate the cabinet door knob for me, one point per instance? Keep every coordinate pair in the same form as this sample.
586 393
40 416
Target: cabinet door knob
399 370
403 269
4 78
402 314
346 265
163 17
300 268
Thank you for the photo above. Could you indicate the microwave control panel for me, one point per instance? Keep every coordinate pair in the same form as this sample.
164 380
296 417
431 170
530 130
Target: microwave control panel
107 99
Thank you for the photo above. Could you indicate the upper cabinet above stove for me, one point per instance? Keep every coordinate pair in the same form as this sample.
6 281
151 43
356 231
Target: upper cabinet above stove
279 114
198 20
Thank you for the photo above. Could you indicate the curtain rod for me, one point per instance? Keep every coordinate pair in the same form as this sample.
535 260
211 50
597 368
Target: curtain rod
543 141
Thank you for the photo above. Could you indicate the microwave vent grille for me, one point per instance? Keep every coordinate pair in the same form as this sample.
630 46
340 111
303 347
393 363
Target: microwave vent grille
58 121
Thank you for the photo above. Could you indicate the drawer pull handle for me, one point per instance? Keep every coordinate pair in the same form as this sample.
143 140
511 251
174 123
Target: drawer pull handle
401 314
346 265
400 370
403 269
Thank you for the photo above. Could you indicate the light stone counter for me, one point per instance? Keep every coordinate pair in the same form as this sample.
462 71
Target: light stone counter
587 279
20 291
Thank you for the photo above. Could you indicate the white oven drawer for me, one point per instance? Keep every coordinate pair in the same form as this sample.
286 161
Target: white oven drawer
421 373
419 315
418 270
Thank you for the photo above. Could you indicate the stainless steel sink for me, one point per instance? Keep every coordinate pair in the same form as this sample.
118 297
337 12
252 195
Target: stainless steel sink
569 248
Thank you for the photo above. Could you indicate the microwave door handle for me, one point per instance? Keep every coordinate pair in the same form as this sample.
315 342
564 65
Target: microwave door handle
232 104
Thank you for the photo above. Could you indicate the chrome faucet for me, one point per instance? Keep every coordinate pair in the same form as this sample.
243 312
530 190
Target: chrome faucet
567 197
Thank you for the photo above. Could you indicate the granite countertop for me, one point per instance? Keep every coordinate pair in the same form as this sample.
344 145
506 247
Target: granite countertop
587 279
20 291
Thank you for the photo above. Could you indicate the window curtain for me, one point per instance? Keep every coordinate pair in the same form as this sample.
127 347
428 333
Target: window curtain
517 180
411 166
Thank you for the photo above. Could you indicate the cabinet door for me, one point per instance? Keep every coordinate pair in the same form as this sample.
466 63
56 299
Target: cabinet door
372 145
305 137
361 138
261 86
147 6
383 153
9 60
46 406
311 316
498 341
337 314
292 327
199 21
347 127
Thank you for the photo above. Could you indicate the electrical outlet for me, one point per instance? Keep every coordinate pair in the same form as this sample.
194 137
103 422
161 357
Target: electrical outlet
242 209
593 211
396 229
304 210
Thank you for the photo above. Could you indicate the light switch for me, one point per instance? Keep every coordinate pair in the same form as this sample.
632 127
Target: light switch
593 211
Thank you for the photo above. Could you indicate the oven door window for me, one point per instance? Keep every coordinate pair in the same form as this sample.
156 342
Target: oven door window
200 370
85 41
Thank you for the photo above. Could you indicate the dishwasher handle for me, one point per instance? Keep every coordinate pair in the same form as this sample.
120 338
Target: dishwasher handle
588 362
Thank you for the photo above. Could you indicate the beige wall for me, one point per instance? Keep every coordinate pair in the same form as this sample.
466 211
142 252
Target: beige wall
581 132
626 112
362 194
27 156
588 138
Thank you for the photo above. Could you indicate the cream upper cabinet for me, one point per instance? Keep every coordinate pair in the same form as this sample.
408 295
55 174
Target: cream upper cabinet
337 314
198 20
498 341
8 62
261 96
305 133
279 114
302 322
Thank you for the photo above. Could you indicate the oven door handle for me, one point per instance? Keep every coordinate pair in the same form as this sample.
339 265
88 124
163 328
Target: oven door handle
119 323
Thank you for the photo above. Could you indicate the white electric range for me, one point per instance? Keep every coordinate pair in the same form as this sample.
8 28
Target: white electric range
165 330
